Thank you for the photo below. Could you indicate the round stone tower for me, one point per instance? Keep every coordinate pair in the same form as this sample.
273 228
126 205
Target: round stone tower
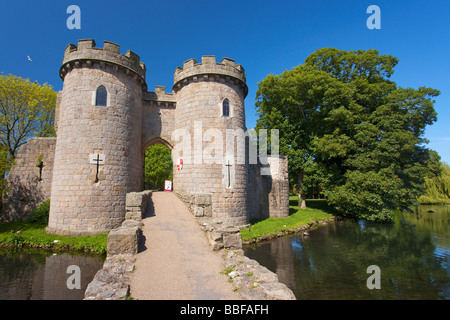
98 156
210 117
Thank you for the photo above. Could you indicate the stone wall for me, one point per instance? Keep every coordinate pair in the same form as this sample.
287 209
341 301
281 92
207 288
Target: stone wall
200 205
136 204
112 282
268 195
27 185
221 236
254 281
158 117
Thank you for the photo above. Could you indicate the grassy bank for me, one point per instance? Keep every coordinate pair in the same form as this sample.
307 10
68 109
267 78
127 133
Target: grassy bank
34 236
31 234
317 210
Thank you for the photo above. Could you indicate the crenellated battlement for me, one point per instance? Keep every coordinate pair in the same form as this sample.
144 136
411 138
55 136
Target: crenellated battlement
159 98
209 69
86 54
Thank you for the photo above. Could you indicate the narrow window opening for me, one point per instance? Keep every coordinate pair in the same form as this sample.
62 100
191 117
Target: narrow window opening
226 108
101 96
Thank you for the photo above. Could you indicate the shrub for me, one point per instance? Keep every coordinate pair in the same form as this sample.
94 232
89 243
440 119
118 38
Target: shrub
40 214
15 240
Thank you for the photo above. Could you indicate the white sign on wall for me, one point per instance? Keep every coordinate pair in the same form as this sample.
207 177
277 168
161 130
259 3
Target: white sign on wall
168 186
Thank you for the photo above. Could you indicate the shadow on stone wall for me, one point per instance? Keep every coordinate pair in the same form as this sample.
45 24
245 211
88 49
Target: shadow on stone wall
29 184
259 187
268 193
21 199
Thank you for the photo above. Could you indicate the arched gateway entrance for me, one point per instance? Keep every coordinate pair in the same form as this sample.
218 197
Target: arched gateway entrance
158 167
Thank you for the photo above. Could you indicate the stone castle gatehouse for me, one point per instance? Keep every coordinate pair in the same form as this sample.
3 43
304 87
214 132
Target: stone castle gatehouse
106 118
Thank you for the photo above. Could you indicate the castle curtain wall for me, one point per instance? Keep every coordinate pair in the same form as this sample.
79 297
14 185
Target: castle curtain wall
29 181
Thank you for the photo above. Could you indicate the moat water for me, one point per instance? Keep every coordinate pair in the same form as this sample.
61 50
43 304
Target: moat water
331 263
40 275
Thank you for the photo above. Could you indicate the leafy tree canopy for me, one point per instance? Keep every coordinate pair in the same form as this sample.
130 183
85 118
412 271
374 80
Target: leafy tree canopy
437 188
348 129
26 110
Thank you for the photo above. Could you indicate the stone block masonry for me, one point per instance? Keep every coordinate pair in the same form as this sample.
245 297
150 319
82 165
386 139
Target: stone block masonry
254 281
112 282
268 195
221 236
29 181
124 240
136 204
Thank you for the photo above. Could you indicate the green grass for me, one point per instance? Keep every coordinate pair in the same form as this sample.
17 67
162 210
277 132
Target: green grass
34 235
317 210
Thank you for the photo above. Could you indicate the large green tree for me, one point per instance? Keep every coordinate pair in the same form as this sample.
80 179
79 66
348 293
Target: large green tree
348 128
295 102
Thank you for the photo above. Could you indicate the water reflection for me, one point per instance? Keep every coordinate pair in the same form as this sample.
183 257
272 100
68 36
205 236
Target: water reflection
413 254
38 275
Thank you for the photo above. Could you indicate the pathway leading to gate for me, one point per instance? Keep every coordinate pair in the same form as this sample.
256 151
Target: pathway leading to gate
175 261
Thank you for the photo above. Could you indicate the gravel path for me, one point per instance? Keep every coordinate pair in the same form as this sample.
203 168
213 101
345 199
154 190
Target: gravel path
176 261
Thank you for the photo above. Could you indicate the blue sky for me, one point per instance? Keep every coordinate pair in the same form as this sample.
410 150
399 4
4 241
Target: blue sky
264 36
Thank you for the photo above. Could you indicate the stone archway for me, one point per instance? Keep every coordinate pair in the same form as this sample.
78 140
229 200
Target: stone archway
157 140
